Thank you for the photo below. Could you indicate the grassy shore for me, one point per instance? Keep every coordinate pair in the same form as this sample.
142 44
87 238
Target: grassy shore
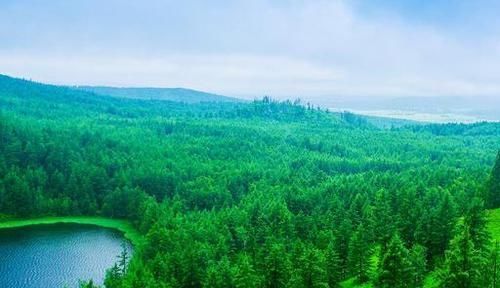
124 226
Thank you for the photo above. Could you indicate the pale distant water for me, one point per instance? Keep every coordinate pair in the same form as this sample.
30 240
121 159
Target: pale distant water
58 255
418 116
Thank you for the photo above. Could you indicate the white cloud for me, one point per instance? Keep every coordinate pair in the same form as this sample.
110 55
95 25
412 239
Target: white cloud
301 48
228 74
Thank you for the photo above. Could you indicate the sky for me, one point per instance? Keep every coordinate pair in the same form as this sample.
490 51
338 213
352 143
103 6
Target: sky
286 49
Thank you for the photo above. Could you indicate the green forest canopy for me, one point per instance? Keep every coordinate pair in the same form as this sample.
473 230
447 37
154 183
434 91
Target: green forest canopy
257 194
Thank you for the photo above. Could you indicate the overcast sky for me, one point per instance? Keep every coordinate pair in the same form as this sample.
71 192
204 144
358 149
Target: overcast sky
256 47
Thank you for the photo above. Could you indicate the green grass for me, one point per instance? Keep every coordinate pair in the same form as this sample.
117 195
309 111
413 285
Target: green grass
431 281
123 226
352 283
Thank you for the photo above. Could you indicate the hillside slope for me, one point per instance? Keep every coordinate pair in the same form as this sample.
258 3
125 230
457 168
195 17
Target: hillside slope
170 94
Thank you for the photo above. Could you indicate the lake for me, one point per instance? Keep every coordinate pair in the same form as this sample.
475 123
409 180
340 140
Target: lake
57 255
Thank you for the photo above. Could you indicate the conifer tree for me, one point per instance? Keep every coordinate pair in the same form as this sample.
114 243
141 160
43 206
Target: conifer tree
244 274
312 269
276 267
342 239
417 265
123 259
475 219
383 222
113 277
493 187
462 265
442 230
394 267
333 266
87 284
359 254
219 274
318 277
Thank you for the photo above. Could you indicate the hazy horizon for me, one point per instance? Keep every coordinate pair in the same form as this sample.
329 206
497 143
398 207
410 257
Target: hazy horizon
286 49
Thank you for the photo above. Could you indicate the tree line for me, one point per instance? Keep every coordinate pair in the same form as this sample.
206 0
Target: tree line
258 194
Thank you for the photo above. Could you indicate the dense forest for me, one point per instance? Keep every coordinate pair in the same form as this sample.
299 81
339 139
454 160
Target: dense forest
256 194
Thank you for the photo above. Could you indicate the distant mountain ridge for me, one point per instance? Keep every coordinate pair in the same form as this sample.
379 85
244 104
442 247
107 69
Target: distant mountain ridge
168 94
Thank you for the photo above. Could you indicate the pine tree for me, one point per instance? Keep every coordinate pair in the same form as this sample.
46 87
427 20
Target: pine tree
418 262
123 259
87 284
216 276
212 278
342 238
333 266
409 214
244 274
394 267
312 269
442 230
476 221
317 269
493 187
359 254
382 219
113 277
435 228
462 267
140 276
277 267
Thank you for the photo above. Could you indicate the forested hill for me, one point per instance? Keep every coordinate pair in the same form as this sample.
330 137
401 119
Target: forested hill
257 194
171 94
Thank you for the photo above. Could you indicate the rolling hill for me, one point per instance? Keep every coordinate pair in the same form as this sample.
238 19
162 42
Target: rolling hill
170 94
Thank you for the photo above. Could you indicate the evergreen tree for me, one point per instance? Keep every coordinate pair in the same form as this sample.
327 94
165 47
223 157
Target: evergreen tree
218 275
311 270
333 266
359 254
493 187
462 265
113 277
87 284
435 228
394 267
417 263
139 275
342 237
244 274
442 230
277 266
123 259
409 214
383 222
475 219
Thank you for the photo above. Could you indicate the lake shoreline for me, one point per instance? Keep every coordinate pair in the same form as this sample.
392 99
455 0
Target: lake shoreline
124 226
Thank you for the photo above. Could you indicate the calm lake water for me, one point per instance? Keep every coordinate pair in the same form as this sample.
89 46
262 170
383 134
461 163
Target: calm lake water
57 255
